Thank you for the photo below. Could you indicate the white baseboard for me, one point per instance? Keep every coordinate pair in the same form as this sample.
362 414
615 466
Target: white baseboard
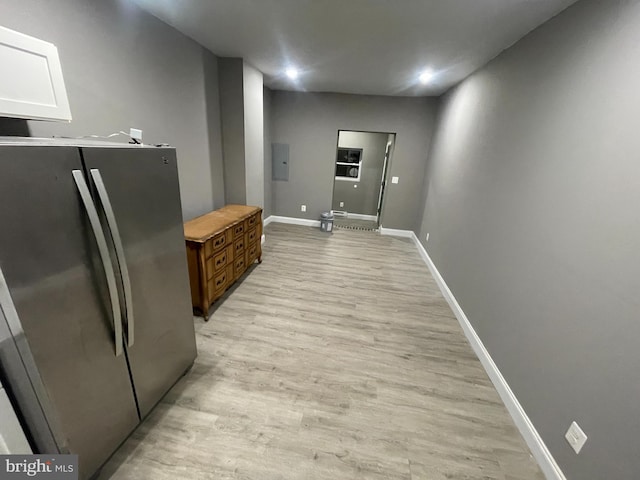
539 450
292 220
360 216
393 232
267 220
263 239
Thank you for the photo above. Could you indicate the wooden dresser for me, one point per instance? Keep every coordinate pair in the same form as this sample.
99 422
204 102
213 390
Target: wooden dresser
221 245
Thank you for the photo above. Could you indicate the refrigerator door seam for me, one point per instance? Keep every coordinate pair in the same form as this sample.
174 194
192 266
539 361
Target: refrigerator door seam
117 243
94 220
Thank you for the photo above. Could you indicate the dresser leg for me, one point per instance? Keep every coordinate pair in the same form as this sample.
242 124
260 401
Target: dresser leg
205 312
260 259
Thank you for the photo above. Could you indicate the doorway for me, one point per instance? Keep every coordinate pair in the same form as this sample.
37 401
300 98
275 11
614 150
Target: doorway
361 167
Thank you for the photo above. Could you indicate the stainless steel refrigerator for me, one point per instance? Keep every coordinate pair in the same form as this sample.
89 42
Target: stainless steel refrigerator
95 311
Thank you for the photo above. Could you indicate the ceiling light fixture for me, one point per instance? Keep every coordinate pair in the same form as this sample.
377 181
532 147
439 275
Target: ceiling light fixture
292 73
426 77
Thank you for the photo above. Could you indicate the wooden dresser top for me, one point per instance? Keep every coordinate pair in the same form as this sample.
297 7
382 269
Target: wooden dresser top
202 228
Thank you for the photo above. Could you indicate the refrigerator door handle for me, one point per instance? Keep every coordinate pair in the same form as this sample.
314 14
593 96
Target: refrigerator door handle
94 220
117 243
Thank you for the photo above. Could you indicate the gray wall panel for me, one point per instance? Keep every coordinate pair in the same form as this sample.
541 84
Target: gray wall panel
253 135
231 73
532 211
309 122
214 127
125 68
268 200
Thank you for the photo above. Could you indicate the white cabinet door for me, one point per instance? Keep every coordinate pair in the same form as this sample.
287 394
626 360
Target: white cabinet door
31 83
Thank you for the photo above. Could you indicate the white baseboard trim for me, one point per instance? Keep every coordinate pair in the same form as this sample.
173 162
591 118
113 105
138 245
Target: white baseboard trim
263 239
292 220
267 220
393 232
360 216
539 450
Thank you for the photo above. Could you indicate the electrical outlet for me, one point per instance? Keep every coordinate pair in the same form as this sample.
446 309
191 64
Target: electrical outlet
135 134
341 204
427 236
395 179
303 208
576 437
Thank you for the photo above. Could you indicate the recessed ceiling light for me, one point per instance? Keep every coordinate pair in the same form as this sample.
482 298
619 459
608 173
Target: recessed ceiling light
292 73
426 77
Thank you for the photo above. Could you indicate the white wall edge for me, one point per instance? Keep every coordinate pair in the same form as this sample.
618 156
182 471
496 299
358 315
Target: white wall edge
393 232
360 216
292 220
537 446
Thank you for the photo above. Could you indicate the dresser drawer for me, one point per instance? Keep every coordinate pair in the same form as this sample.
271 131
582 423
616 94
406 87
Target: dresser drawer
238 247
218 282
238 230
252 253
216 243
240 265
252 221
219 260
251 236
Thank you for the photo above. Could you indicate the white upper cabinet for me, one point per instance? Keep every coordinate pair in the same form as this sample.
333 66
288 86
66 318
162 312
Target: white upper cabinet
31 83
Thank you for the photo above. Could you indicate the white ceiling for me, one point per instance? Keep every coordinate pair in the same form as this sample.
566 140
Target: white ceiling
358 46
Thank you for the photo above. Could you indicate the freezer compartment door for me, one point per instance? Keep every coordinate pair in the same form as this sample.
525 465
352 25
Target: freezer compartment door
56 302
140 193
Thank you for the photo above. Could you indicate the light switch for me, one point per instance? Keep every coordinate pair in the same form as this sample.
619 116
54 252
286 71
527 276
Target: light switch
395 179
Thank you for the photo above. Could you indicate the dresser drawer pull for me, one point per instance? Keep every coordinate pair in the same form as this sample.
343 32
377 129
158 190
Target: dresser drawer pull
221 280
239 229
221 261
252 236
252 252
252 221
239 246
240 264
219 242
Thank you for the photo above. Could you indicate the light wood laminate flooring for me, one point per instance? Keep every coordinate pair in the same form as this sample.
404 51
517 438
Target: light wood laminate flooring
336 358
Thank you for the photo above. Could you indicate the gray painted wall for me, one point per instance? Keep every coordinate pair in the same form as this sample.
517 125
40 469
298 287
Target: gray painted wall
362 197
124 68
253 135
230 75
532 210
214 127
268 200
309 122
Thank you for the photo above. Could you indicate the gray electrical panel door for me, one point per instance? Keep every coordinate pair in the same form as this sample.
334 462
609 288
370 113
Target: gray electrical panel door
280 160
